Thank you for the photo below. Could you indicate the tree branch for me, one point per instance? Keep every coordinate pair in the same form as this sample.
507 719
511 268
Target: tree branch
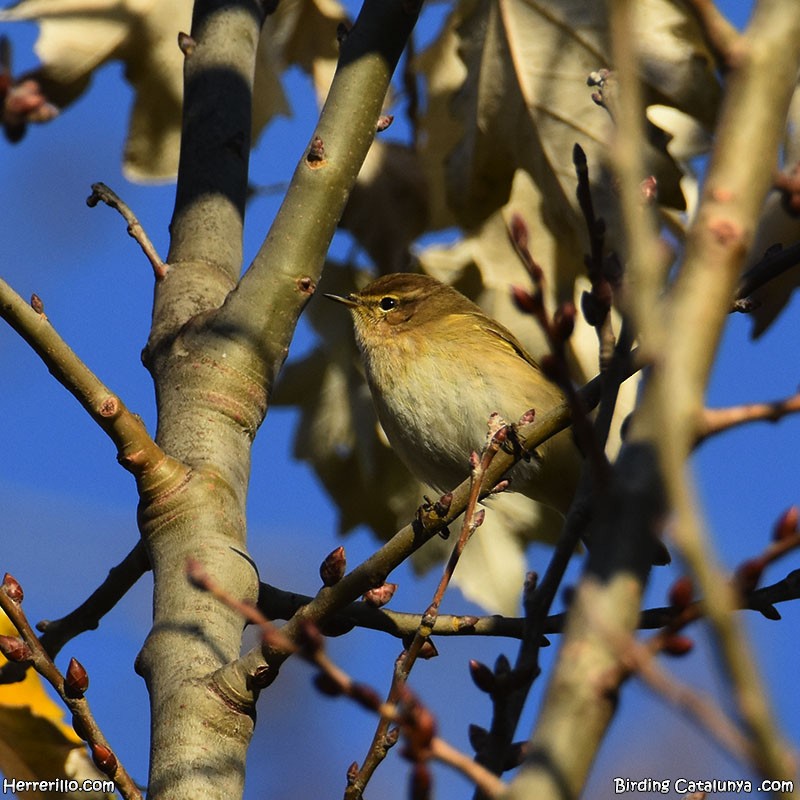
716 420
101 192
752 120
70 691
263 310
87 616
136 450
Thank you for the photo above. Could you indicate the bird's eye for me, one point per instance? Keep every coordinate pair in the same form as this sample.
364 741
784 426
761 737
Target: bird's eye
387 303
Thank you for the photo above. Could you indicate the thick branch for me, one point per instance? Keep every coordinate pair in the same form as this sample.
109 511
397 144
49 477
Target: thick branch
263 310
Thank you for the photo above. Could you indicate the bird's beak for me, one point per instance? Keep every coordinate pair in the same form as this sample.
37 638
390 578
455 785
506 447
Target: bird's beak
347 300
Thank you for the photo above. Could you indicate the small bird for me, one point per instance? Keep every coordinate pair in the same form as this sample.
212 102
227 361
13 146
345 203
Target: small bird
437 367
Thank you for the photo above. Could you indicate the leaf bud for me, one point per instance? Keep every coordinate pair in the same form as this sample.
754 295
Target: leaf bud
12 588
380 595
105 760
681 593
325 684
14 649
76 681
478 737
678 645
365 696
482 676
333 567
786 525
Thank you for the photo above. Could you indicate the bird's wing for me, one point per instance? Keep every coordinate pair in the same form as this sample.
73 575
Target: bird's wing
509 341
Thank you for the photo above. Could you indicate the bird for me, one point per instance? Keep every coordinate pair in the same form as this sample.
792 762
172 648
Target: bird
437 367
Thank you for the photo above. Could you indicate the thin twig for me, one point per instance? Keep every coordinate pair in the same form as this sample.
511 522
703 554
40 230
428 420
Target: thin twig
101 192
472 519
716 420
557 329
87 616
775 262
70 692
337 681
280 604
698 708
485 781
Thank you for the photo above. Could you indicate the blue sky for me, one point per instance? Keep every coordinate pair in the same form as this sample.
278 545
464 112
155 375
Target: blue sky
69 510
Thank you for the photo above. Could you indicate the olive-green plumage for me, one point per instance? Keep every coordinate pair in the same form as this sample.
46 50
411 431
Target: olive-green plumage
437 367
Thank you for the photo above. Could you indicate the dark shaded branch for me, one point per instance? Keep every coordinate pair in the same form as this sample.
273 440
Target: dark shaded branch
87 616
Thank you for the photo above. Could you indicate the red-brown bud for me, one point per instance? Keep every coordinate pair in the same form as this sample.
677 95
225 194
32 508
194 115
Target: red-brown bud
365 696
14 649
467 622
677 645
327 685
477 519
36 303
316 152
384 121
442 506
333 567
564 321
420 729
748 574
76 681
12 588
786 525
681 593
421 782
381 595
352 773
527 302
649 189
186 44
428 650
309 639
519 232
105 760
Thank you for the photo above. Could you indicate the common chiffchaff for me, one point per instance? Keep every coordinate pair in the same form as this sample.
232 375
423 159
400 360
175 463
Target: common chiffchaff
437 367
